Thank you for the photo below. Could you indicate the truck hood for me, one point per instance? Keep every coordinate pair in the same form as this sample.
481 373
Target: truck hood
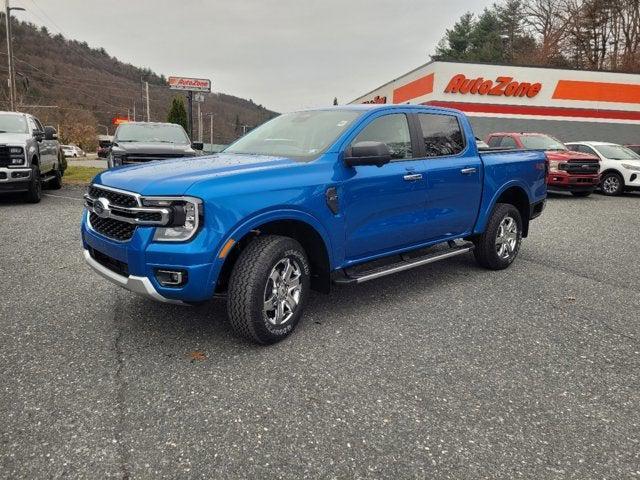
174 177
15 138
569 155
153 148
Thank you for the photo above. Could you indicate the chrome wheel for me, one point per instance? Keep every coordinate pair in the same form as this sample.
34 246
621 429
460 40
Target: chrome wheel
611 184
507 238
282 291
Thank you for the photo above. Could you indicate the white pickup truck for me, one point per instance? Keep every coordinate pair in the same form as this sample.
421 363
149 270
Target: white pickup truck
29 155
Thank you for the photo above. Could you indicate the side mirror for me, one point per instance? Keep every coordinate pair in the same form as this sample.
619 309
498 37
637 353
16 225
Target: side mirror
197 145
368 153
50 133
38 135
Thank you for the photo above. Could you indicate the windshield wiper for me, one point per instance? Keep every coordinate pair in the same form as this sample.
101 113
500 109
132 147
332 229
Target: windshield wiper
3 131
128 141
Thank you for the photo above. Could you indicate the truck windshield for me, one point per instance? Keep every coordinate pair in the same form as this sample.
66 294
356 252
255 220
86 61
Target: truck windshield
10 123
151 133
299 135
541 142
616 152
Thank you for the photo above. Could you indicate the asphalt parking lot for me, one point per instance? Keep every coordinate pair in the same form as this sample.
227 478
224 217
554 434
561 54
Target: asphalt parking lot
447 371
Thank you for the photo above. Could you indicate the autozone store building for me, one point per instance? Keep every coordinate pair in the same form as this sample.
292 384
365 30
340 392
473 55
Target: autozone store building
568 104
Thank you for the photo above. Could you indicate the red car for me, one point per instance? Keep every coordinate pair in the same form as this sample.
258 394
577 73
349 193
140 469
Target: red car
575 172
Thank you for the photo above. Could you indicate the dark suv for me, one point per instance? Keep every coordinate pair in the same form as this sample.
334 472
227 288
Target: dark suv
141 142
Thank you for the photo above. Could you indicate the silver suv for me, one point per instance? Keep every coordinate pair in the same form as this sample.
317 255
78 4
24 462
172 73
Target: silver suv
29 155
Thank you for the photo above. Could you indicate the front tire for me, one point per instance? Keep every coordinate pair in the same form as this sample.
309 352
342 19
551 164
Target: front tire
268 289
56 182
34 194
612 184
498 246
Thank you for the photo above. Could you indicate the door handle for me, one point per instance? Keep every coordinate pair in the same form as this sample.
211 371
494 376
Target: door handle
412 177
468 171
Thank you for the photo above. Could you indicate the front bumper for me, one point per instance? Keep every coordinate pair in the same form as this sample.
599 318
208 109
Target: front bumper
14 179
140 285
143 258
572 183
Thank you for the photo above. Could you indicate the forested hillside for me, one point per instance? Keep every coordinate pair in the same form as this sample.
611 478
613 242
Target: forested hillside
585 34
67 83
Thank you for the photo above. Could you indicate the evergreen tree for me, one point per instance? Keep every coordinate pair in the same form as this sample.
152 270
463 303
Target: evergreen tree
487 44
178 113
457 40
335 100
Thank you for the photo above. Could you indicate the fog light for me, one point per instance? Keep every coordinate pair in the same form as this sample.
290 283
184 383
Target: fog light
171 278
19 174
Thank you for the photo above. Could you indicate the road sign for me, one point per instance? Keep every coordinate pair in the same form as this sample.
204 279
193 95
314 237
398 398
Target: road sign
198 97
191 84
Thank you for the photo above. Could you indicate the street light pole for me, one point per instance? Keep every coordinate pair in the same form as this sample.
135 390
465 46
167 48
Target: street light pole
10 62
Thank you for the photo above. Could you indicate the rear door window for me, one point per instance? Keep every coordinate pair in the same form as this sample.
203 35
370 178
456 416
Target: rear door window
441 134
508 142
494 142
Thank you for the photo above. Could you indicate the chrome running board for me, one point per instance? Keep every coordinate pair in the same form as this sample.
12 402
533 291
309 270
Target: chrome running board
352 276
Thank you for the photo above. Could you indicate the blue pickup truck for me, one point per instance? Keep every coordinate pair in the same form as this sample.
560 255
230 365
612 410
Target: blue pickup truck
337 195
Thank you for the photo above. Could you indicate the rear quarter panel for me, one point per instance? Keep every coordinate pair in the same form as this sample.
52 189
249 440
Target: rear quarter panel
503 170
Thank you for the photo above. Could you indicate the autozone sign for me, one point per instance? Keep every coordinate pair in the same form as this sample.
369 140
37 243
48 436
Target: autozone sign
501 87
192 84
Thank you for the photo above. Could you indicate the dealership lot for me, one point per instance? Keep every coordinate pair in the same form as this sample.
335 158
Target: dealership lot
446 371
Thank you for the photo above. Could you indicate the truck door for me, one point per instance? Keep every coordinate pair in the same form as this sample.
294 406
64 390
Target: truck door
453 174
44 156
384 206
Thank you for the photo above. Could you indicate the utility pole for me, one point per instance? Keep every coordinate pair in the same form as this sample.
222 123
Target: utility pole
190 112
10 62
134 111
147 95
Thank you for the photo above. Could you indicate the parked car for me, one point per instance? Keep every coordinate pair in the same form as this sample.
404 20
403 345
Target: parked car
30 155
141 142
568 171
72 151
345 195
635 148
619 166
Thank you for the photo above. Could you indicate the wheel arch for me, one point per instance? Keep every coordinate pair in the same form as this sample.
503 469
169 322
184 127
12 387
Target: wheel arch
294 224
513 194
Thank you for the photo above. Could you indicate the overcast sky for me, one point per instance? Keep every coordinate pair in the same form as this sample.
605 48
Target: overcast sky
284 54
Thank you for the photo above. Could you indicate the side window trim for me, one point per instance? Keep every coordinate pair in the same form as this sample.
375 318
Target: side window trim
420 138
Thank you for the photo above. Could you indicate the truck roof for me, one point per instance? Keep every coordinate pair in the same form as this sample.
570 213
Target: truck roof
383 106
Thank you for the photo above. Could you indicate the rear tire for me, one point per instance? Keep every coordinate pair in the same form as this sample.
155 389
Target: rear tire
499 244
268 289
581 194
34 194
612 184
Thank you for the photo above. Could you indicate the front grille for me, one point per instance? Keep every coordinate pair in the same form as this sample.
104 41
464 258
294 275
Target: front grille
5 156
149 216
584 167
111 228
115 198
148 157
111 263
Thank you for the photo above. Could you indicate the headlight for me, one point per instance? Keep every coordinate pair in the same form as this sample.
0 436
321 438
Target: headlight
554 165
631 167
116 160
16 150
186 217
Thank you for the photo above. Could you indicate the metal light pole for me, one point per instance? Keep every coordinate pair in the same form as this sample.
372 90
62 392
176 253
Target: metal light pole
10 63
210 115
